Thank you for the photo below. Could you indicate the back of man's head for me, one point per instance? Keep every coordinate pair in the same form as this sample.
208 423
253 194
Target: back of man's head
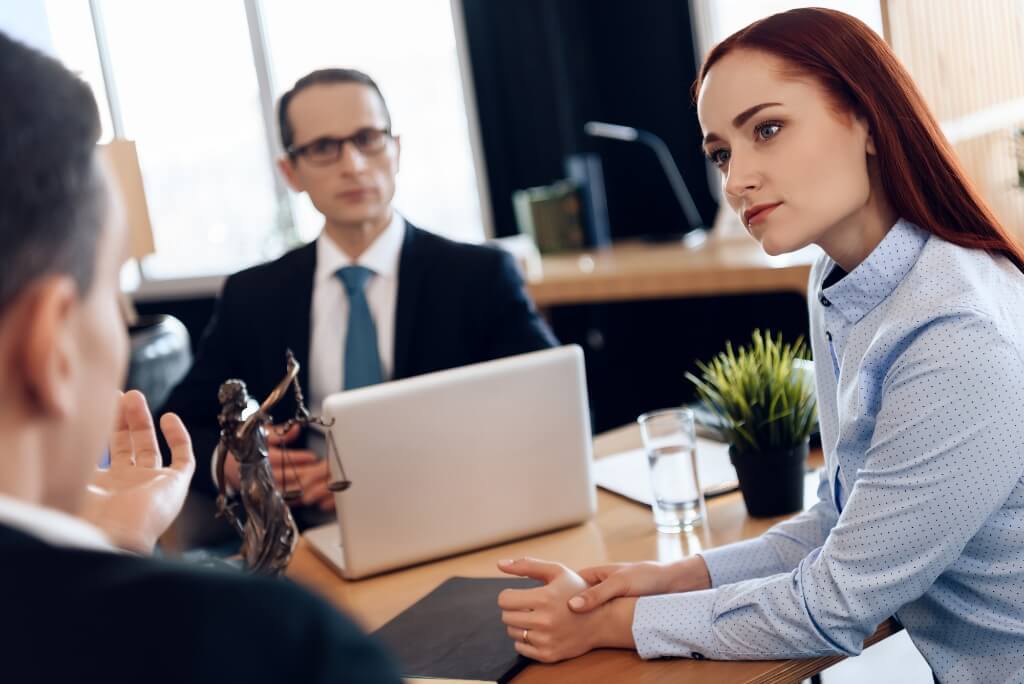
52 195
61 339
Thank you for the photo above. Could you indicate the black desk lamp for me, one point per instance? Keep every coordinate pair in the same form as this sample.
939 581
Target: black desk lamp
599 129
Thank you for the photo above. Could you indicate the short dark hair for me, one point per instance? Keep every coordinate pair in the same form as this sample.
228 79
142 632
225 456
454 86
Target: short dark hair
53 195
322 77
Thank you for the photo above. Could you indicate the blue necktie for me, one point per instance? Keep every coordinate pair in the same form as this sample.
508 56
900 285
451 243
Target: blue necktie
362 362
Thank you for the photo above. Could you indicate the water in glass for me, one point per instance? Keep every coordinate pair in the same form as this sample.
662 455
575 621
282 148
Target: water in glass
675 487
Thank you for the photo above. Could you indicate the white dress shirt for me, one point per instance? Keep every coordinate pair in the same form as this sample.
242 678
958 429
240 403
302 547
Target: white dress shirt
328 316
329 308
52 526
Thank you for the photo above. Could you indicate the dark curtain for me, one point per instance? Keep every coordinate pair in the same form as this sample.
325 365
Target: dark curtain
542 68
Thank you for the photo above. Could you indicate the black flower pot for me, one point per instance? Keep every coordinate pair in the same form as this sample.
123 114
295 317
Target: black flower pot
772 482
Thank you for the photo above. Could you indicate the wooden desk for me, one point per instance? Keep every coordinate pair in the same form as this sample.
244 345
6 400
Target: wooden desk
636 270
622 531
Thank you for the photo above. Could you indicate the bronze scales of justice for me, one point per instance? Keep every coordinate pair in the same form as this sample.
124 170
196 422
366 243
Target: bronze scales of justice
269 533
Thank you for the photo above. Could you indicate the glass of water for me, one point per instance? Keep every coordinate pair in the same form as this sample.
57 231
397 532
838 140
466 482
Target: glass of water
671 446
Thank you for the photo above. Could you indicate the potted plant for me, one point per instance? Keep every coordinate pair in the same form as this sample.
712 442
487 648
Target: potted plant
765 400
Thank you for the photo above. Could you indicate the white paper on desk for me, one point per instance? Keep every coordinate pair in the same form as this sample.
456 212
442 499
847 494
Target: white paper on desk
626 473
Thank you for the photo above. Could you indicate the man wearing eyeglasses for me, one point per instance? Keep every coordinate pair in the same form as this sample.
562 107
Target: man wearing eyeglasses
372 299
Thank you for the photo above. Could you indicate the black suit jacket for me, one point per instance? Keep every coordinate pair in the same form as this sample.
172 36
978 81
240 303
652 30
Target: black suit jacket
457 304
73 615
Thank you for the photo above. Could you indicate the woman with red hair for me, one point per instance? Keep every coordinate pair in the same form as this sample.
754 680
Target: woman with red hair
917 328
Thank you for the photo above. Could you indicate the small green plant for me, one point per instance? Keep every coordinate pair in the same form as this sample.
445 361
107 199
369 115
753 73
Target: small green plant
761 394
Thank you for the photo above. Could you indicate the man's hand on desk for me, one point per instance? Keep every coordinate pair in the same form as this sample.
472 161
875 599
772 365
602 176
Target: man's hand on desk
607 582
552 631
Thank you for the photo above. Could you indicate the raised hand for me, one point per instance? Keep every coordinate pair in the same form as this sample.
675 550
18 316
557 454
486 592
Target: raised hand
136 499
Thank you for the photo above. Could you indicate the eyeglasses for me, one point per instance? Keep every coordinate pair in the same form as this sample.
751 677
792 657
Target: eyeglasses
327 150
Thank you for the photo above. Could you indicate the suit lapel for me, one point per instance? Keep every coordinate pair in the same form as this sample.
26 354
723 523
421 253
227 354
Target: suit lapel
411 266
298 286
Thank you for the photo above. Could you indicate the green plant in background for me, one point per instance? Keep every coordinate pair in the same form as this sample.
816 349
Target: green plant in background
1018 149
761 394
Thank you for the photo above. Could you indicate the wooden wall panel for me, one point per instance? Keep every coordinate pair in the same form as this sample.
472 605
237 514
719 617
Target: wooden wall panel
968 60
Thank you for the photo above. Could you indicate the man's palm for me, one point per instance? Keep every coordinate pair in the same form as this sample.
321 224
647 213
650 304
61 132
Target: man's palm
137 499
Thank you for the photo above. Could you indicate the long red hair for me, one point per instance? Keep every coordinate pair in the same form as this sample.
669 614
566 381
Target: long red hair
919 170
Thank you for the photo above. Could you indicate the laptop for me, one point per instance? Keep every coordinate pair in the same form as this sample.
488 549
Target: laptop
458 460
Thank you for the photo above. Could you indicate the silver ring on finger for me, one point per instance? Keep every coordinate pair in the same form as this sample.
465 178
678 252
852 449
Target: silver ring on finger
526 636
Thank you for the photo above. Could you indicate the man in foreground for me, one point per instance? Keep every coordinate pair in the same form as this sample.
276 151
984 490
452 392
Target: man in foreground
78 599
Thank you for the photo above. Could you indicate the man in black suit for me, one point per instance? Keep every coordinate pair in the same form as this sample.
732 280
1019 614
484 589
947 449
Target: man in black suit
374 298
75 605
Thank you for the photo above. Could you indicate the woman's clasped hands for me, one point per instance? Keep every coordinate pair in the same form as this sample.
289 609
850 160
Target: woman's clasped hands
573 613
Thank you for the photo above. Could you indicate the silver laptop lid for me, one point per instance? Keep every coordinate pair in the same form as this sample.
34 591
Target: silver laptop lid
462 459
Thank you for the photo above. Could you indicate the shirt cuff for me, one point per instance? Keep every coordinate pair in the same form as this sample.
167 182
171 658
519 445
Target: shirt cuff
741 561
675 625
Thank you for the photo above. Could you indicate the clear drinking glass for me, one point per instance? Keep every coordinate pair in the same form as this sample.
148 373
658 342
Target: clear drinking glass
671 446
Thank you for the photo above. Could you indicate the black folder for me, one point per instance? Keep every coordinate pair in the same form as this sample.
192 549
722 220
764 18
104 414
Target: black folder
455 632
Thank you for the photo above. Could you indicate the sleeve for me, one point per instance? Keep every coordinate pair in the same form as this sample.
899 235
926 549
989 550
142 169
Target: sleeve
944 456
297 637
194 399
778 550
208 624
513 325
331 648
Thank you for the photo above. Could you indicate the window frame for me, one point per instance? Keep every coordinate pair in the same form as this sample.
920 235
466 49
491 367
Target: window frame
148 289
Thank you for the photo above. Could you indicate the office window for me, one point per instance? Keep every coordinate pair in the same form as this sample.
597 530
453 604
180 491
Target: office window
74 42
188 95
408 47
194 82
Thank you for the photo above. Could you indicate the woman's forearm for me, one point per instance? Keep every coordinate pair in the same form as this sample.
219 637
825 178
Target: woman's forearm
615 624
689 574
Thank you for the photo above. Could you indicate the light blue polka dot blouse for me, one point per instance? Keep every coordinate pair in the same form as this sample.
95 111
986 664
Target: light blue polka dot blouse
919 362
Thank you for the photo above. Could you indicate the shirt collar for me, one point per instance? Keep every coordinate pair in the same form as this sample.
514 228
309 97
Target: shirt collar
381 256
52 526
875 278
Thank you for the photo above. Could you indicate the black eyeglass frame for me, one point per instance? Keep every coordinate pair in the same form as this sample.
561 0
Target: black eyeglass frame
296 151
